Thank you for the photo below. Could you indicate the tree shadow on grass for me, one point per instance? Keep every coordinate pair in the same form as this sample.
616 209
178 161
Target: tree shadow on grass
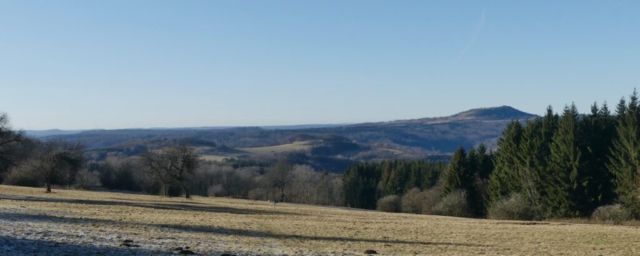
21 246
262 234
222 231
157 206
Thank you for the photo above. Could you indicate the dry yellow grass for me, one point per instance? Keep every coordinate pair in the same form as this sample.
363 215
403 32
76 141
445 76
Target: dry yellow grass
215 158
257 151
279 149
215 225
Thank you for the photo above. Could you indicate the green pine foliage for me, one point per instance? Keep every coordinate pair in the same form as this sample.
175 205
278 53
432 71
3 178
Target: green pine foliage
599 130
503 180
458 175
558 166
624 161
364 184
465 174
569 165
565 171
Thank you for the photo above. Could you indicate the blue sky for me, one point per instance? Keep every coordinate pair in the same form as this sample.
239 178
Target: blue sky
136 64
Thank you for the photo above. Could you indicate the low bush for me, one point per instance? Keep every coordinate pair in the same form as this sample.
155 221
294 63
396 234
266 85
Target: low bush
615 214
430 198
514 207
24 175
216 190
257 194
390 203
454 204
413 201
86 179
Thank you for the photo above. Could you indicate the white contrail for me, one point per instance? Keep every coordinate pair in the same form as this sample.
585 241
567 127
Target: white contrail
472 40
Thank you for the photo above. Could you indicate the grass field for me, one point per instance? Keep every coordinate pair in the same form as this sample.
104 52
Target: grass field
261 152
96 222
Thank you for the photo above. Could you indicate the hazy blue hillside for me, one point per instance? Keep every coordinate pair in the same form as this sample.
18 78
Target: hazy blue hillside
441 134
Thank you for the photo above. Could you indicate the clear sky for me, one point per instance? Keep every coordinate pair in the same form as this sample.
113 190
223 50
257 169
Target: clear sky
135 64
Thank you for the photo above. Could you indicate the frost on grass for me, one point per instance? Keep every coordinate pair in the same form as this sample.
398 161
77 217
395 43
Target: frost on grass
98 223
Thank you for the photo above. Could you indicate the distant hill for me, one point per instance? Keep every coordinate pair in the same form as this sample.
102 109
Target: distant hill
45 133
329 147
497 113
473 115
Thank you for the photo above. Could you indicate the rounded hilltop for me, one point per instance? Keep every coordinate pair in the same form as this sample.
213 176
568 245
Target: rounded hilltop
494 113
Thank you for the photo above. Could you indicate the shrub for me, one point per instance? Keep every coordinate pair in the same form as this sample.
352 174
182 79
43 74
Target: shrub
86 179
216 190
390 203
118 174
615 214
454 204
257 194
413 201
431 198
23 175
514 207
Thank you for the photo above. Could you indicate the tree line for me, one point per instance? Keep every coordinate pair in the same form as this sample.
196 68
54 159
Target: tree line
570 164
175 169
560 165
564 165
365 183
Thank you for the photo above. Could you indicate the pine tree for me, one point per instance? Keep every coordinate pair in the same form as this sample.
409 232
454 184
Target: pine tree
359 186
549 128
503 181
484 162
532 156
458 175
415 177
598 129
625 153
566 179
431 174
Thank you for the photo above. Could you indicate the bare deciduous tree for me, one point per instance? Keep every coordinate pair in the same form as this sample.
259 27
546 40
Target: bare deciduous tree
56 160
279 176
304 184
9 139
172 165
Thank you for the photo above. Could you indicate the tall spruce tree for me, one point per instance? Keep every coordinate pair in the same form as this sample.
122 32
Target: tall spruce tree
531 156
625 153
598 129
503 181
461 175
458 175
484 162
565 185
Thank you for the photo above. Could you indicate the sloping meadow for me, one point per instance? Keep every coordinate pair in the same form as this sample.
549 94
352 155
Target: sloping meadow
83 222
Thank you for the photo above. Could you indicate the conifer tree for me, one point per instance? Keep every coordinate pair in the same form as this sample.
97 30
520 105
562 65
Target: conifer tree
598 129
531 157
458 175
566 180
415 177
502 181
484 162
625 153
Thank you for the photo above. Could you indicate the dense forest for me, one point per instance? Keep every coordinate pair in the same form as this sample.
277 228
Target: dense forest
556 166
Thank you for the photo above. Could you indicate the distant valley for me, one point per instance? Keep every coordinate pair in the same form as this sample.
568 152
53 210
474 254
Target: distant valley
325 147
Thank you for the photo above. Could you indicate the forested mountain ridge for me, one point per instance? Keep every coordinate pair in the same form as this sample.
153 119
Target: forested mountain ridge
402 139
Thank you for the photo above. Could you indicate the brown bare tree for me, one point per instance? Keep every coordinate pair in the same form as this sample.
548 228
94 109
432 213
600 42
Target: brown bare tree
9 140
172 165
55 161
279 176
